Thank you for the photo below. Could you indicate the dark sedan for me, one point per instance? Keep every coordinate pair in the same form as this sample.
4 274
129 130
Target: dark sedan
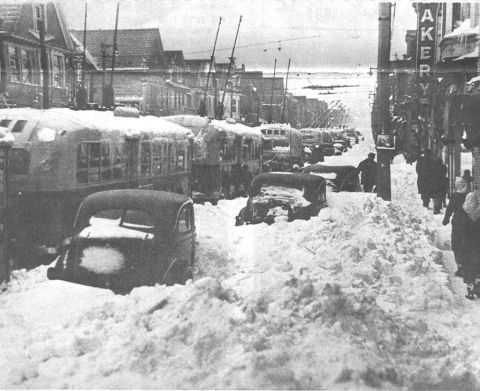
128 238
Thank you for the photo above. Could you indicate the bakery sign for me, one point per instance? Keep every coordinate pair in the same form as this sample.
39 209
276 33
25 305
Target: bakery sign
425 58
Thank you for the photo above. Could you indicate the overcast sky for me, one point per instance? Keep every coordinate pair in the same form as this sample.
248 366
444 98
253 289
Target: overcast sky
313 33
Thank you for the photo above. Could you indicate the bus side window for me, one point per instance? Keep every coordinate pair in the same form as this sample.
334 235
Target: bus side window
157 157
180 161
118 163
94 155
82 163
106 162
146 159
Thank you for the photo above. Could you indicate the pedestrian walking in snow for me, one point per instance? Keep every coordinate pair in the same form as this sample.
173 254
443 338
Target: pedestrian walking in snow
368 168
471 243
467 176
459 222
437 185
424 169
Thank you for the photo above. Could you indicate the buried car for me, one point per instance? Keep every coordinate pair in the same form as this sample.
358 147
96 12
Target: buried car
338 178
283 196
128 238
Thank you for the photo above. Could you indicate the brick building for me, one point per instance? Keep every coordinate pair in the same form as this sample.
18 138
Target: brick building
20 56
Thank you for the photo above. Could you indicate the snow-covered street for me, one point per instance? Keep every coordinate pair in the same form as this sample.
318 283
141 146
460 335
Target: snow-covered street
361 296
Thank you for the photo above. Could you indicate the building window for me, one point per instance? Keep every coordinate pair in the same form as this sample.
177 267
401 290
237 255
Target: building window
39 13
58 71
14 63
27 66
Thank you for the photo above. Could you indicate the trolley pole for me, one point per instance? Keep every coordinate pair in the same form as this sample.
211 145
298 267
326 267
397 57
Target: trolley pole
382 108
273 86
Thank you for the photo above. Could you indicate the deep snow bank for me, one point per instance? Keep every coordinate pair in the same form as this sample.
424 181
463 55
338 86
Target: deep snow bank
361 296
337 302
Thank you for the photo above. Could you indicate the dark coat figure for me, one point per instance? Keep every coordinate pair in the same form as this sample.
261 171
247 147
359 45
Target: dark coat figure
438 179
471 259
424 183
368 168
459 222
316 155
467 177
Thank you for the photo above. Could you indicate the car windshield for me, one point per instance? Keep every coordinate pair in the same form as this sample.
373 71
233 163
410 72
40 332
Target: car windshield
113 222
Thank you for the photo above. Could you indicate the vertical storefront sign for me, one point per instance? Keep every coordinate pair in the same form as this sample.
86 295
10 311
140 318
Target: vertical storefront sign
425 57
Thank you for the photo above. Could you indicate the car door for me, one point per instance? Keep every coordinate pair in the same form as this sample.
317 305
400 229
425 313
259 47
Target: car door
184 251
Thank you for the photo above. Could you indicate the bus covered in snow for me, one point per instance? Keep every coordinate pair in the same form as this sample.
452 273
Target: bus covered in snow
224 152
282 146
59 156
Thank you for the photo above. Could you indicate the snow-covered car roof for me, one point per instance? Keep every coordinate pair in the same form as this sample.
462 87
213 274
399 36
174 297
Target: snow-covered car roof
284 179
163 205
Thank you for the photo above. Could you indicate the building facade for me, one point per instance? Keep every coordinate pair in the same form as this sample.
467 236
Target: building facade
21 70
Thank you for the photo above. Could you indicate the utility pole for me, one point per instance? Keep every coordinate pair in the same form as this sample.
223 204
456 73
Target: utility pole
44 64
84 46
285 92
384 156
273 86
203 106
229 70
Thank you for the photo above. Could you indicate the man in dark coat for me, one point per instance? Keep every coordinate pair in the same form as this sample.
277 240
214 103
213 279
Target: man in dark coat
471 243
368 168
424 171
459 222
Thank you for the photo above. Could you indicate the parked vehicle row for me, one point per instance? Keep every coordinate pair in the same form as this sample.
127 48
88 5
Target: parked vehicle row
224 153
59 156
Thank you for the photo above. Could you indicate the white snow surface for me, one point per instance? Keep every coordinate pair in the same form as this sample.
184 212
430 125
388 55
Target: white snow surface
102 260
361 297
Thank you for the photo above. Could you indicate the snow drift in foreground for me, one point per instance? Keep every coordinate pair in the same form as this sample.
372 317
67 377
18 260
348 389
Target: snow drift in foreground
361 296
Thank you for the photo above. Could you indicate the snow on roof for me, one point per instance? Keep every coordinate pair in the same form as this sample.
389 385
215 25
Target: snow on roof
463 30
197 123
69 120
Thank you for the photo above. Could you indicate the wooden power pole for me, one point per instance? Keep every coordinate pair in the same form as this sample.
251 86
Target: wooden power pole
384 156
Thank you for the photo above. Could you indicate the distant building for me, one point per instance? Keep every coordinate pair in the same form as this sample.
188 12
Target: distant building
140 68
20 58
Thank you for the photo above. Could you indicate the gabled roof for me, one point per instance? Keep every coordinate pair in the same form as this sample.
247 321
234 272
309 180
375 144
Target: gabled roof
78 47
135 47
17 18
175 57
9 13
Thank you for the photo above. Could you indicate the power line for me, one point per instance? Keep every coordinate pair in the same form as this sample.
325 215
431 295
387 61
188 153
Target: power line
259 44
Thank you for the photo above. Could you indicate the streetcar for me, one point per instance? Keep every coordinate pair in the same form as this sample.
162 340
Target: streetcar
318 137
226 156
60 156
282 146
